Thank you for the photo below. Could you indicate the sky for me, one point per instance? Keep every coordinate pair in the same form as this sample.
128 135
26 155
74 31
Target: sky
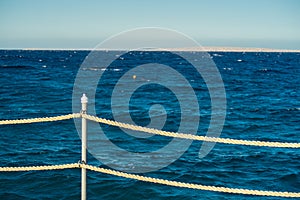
84 24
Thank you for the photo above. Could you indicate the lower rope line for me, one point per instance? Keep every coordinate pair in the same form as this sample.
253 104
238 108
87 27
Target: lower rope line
39 168
154 180
191 185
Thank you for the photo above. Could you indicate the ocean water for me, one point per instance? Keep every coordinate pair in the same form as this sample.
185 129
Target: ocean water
263 103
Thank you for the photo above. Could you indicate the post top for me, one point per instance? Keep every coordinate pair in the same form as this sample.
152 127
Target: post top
84 98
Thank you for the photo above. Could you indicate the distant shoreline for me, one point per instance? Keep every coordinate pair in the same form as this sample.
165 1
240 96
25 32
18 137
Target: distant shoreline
192 49
241 49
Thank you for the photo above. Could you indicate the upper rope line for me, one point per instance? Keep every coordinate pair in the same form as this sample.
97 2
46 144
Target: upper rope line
192 137
155 131
40 119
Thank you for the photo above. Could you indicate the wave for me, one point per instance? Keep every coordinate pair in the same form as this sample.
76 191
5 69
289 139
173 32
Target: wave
102 69
17 67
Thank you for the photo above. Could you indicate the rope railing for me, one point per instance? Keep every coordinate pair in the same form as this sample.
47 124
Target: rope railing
155 180
85 166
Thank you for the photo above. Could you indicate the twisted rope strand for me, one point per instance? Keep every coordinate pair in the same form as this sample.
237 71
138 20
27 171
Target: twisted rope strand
39 168
191 185
40 119
190 136
154 180
155 131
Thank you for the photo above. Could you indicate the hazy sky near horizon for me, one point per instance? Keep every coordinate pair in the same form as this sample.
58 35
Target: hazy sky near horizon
84 24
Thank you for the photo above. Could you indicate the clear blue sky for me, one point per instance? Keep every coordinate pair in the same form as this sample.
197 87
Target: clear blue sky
83 24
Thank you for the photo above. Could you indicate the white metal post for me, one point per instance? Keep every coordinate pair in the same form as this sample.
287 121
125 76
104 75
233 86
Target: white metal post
84 101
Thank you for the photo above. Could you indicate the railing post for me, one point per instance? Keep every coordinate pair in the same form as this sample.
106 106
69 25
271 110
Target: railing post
84 101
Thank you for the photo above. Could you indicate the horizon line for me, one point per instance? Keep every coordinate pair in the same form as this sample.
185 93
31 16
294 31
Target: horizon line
189 49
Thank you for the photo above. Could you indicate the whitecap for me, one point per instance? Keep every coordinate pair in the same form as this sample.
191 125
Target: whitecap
227 68
293 109
263 70
239 60
217 55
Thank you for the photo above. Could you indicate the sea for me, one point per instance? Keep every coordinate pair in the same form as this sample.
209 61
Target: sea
262 103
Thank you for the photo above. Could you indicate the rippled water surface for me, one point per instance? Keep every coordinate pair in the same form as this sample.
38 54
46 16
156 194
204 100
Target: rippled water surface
263 103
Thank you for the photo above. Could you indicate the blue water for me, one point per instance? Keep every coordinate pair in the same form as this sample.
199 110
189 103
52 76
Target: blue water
263 103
